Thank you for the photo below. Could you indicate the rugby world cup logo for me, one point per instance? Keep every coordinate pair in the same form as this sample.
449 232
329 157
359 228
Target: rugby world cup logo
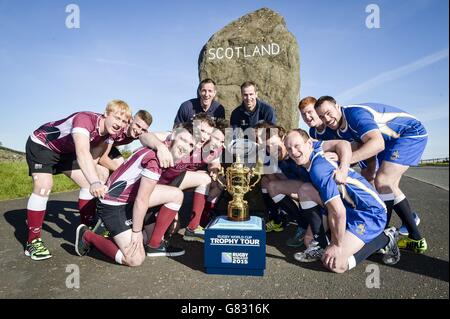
227 258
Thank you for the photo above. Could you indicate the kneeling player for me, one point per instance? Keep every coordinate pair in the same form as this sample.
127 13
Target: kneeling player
132 190
292 182
190 172
356 214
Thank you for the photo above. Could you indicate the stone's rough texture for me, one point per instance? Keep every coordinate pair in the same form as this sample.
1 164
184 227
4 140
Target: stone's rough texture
256 47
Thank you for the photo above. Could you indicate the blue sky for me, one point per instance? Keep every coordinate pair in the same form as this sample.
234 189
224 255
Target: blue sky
145 52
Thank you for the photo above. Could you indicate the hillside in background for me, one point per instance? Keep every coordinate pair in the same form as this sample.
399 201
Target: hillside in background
15 180
9 155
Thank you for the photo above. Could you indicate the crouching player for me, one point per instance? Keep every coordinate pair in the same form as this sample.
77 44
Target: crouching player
356 215
190 172
292 182
68 146
132 190
112 158
397 139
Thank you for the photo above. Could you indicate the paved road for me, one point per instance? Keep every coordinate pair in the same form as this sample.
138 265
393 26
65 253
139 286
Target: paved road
437 176
416 276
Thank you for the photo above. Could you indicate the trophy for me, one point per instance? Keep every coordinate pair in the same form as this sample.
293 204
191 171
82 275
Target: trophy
237 248
238 183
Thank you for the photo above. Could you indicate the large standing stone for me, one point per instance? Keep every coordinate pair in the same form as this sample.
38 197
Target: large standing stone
256 47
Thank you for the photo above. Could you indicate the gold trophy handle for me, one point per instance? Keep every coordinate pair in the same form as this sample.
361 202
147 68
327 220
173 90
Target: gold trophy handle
256 171
258 177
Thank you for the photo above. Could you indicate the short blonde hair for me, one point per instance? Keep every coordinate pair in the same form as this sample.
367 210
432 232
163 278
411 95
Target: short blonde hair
118 106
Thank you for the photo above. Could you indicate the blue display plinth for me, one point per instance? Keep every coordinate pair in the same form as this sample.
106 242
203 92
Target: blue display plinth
235 248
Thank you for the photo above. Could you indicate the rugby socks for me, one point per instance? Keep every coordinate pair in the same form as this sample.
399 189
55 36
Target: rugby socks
289 206
311 211
368 249
403 210
211 204
163 221
388 200
198 205
105 245
271 206
86 205
35 215
208 214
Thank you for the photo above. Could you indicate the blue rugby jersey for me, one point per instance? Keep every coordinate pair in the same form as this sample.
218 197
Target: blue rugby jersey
357 194
293 171
392 122
325 135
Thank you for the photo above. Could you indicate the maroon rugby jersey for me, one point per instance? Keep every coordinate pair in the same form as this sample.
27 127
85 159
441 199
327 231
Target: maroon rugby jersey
57 135
123 184
122 138
194 162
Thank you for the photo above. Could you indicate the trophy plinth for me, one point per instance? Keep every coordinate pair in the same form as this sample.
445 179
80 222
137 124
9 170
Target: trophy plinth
236 244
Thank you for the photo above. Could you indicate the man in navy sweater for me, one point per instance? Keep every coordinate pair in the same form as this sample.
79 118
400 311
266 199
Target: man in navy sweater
204 103
252 110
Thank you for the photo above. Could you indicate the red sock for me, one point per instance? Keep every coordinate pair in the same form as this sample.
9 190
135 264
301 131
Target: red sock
105 245
198 205
87 210
163 221
35 218
207 213
36 208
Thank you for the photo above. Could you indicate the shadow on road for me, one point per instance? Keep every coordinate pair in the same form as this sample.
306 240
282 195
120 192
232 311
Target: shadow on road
93 253
62 214
278 240
62 219
415 263
419 264
193 258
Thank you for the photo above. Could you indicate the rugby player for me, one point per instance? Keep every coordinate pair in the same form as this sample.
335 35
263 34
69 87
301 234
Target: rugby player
292 182
396 138
356 214
204 103
64 146
111 157
252 110
133 188
191 171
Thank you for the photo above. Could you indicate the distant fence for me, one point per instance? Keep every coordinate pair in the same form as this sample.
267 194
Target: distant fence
442 160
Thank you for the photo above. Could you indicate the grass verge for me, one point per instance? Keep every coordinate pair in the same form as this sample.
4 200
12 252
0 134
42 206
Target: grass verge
15 182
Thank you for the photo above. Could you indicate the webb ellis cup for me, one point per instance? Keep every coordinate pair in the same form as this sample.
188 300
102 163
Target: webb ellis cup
238 183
